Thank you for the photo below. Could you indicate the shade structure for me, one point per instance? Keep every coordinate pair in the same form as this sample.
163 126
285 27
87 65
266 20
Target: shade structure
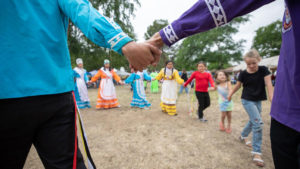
270 62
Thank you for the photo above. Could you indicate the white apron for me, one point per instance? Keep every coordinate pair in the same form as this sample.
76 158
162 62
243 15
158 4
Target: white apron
169 89
81 85
107 88
140 85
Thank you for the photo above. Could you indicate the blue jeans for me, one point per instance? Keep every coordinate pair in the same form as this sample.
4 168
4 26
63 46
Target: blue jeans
253 108
181 88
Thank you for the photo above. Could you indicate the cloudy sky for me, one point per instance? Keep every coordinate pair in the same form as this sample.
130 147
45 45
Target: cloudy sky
151 10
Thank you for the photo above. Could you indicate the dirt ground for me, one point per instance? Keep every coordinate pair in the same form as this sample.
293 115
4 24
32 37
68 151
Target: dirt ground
131 138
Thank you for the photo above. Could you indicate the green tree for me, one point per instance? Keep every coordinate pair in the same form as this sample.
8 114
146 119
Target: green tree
268 40
156 26
215 47
120 11
167 53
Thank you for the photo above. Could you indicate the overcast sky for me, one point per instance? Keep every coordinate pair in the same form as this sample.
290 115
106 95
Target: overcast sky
151 10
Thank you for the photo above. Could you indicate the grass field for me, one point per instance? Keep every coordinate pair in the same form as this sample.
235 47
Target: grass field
131 138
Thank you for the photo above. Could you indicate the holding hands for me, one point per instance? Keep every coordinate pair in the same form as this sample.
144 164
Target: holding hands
229 97
89 83
140 55
211 88
156 40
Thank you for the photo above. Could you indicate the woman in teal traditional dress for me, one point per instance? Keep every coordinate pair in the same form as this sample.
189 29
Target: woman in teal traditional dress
139 97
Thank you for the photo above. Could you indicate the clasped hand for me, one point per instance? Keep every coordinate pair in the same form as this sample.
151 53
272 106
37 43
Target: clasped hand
141 55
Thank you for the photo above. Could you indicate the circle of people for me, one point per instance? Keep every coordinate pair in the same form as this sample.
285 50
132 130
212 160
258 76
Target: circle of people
254 79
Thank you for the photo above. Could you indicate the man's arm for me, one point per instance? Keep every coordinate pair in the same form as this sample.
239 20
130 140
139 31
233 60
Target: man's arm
202 16
106 33
98 28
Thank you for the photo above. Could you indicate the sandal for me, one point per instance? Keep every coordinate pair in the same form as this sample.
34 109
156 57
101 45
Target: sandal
245 141
222 128
258 161
228 130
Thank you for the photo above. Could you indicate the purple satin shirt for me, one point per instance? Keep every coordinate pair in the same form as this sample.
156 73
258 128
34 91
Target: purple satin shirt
207 14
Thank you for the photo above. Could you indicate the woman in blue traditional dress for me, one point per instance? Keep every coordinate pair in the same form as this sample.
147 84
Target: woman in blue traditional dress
139 97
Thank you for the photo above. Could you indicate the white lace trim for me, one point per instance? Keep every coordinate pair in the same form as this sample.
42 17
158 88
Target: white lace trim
116 39
170 34
217 12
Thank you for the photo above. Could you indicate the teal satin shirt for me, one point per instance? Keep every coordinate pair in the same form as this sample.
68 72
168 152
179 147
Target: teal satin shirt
34 55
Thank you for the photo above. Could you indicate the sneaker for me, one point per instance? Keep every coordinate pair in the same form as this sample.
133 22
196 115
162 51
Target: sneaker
203 120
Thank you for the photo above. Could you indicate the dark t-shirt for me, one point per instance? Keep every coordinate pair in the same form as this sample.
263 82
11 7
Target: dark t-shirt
184 77
254 84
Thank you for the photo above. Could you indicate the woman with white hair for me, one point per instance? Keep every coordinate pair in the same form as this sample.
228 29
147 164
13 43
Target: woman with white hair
81 92
107 97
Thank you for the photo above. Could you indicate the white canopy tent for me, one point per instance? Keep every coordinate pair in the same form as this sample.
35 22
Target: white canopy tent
94 72
120 72
271 62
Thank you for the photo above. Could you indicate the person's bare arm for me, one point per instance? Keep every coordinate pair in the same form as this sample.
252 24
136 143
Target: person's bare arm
235 89
269 85
229 86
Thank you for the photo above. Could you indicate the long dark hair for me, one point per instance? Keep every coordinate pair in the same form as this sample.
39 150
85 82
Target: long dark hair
108 68
167 62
